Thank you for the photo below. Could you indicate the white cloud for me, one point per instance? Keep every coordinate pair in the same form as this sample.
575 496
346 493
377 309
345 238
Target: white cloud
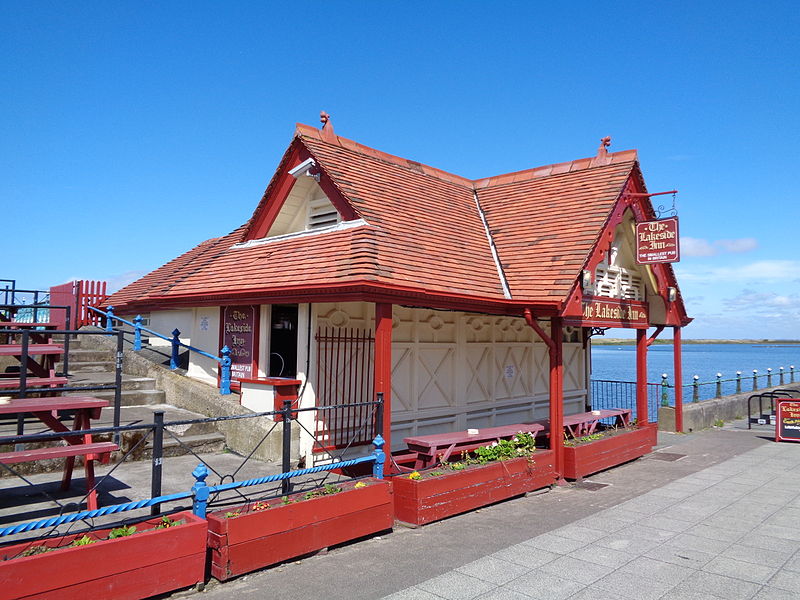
117 282
740 245
696 247
759 271
700 247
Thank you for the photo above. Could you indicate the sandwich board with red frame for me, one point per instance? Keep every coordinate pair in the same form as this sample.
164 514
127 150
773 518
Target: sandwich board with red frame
787 422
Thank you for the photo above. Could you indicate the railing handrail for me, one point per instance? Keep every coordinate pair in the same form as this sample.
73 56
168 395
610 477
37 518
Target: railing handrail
157 334
201 491
224 361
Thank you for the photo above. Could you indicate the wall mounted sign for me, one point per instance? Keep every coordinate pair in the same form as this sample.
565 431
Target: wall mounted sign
657 241
240 334
608 312
787 423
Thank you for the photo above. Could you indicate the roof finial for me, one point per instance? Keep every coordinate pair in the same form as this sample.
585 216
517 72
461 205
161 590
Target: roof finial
604 143
327 126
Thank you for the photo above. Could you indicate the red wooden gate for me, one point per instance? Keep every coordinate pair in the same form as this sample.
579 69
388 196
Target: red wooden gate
344 378
79 296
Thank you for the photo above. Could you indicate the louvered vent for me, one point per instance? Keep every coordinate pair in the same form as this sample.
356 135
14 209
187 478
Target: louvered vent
321 213
617 282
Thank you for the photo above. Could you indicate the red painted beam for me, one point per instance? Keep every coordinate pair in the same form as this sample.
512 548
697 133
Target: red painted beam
383 369
641 376
678 367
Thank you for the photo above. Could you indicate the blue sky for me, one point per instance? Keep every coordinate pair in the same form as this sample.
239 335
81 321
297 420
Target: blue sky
132 131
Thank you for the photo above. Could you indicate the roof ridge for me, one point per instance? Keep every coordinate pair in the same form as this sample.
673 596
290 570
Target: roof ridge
413 165
539 172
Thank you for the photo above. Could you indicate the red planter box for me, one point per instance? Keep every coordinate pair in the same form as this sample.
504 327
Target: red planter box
260 538
137 566
430 499
608 452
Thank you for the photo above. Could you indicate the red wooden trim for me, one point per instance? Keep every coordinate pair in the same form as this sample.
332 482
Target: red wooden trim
530 318
276 194
653 337
383 368
641 376
344 292
678 367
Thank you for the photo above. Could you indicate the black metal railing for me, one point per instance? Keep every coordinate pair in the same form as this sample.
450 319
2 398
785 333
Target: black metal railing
622 394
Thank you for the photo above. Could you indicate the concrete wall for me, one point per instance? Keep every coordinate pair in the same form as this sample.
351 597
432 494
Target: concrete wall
703 414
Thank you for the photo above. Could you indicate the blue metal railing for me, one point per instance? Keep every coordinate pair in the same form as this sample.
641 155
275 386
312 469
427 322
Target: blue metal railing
201 491
138 328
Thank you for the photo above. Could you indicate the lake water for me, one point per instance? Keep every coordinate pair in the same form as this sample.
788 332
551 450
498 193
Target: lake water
706 360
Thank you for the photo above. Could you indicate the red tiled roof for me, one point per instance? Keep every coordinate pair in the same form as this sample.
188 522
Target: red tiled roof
545 227
424 232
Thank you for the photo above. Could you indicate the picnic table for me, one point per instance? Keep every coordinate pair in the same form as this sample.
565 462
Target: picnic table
440 446
47 354
47 410
585 423
429 449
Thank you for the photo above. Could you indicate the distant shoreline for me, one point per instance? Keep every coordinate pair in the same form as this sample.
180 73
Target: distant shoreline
601 341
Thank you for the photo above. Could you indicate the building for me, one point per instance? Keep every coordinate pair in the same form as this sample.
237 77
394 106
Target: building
466 303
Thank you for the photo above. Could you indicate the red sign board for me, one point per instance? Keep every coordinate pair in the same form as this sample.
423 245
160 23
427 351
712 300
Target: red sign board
608 312
240 334
657 241
787 423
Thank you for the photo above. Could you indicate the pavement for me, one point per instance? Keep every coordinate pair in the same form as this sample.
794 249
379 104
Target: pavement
714 514
710 515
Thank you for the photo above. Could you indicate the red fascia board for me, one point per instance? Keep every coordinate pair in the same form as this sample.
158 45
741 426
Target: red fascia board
349 292
276 193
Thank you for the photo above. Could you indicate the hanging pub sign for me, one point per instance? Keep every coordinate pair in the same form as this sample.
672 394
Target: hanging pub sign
240 334
657 241
608 312
787 423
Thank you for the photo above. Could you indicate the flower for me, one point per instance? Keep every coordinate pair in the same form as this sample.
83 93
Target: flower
360 484
414 475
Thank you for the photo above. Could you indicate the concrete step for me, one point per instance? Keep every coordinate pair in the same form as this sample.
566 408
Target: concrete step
129 382
129 397
88 366
143 415
79 356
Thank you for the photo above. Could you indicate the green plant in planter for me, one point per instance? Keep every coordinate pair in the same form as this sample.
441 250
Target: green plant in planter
123 531
167 522
83 541
34 550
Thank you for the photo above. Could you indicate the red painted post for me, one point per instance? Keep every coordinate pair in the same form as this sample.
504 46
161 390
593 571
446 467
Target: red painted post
557 396
383 369
676 353
641 376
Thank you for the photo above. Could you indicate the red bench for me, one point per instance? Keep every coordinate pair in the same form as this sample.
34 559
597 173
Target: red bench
46 410
13 383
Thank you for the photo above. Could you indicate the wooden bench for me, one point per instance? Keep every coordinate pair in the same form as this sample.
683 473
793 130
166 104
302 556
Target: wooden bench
441 446
95 451
46 410
13 383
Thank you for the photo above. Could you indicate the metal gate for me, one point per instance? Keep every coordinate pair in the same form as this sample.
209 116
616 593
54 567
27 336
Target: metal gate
344 378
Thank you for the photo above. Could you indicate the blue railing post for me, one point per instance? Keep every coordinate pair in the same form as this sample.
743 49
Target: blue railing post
696 390
664 392
137 333
755 379
719 385
781 375
176 344
380 457
225 374
200 491
738 382
769 377
110 318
